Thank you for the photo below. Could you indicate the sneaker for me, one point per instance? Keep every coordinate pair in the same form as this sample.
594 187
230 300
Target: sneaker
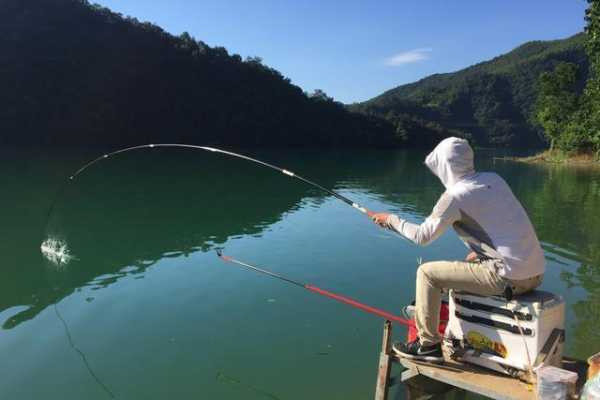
408 312
415 351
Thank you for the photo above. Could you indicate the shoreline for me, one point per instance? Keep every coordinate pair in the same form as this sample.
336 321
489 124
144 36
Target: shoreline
556 157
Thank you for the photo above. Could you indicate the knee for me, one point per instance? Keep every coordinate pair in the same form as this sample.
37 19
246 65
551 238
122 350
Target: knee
424 272
427 272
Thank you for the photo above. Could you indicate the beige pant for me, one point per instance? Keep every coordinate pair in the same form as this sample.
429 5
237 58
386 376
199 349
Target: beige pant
473 277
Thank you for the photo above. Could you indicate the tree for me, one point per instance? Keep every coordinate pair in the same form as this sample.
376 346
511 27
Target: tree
320 95
557 101
592 89
572 122
254 60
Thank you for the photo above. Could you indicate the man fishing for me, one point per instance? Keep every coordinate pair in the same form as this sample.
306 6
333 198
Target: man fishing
505 256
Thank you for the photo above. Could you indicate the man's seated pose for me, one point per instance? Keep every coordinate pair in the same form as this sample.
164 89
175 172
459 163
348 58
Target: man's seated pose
482 209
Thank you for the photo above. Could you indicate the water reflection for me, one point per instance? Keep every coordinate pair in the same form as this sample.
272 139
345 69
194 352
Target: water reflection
566 210
123 216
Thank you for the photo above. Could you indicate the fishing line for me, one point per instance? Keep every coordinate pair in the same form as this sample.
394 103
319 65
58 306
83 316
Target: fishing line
322 292
82 355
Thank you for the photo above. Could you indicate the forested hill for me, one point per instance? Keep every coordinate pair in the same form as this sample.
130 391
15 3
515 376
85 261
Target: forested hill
490 102
72 73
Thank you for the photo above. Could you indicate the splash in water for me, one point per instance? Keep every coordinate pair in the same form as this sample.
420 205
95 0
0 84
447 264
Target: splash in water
56 251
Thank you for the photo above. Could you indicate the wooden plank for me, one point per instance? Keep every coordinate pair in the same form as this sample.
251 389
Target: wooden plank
474 379
408 374
385 364
483 381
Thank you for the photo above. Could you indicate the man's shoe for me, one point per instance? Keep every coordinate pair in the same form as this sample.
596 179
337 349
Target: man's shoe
415 351
408 312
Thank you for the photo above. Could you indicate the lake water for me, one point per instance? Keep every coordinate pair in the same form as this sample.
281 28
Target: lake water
146 310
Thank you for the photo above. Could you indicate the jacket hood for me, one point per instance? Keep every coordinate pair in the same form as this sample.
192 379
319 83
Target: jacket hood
451 160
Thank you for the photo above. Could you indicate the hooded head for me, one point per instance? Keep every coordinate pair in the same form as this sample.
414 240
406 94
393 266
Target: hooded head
451 160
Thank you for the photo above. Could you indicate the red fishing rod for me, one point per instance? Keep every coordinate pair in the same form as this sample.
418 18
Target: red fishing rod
322 292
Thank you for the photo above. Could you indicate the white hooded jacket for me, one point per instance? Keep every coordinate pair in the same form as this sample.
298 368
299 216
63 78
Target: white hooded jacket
482 210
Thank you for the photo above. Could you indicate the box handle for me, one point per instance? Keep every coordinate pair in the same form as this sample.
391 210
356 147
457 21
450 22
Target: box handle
495 324
496 310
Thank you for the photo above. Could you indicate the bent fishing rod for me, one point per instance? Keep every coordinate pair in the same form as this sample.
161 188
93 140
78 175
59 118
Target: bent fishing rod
342 299
229 153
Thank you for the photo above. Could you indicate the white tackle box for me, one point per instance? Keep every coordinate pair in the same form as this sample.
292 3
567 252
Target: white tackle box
486 331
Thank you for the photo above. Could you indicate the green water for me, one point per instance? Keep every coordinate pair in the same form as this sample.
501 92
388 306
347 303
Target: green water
145 310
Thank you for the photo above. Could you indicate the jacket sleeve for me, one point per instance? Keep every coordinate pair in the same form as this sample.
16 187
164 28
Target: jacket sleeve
444 214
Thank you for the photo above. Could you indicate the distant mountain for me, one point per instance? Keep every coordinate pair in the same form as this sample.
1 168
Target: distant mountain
72 73
490 102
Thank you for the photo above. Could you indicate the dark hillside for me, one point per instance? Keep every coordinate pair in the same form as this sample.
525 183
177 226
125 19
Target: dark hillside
72 73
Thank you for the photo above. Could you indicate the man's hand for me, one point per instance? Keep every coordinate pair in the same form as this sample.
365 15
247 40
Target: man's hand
380 218
471 257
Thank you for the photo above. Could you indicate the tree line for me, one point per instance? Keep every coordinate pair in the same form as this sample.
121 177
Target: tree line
569 116
73 73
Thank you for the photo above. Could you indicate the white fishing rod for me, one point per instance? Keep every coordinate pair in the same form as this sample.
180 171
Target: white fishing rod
284 171
215 150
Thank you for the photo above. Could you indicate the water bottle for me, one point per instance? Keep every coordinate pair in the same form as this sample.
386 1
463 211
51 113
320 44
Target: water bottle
553 383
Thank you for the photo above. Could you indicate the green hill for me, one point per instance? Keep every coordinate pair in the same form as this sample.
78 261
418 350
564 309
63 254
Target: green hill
491 102
73 73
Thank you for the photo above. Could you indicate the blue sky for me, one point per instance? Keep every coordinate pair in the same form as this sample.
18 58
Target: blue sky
355 50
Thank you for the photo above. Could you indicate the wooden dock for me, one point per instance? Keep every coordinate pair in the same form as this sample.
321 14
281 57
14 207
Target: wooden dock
428 379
